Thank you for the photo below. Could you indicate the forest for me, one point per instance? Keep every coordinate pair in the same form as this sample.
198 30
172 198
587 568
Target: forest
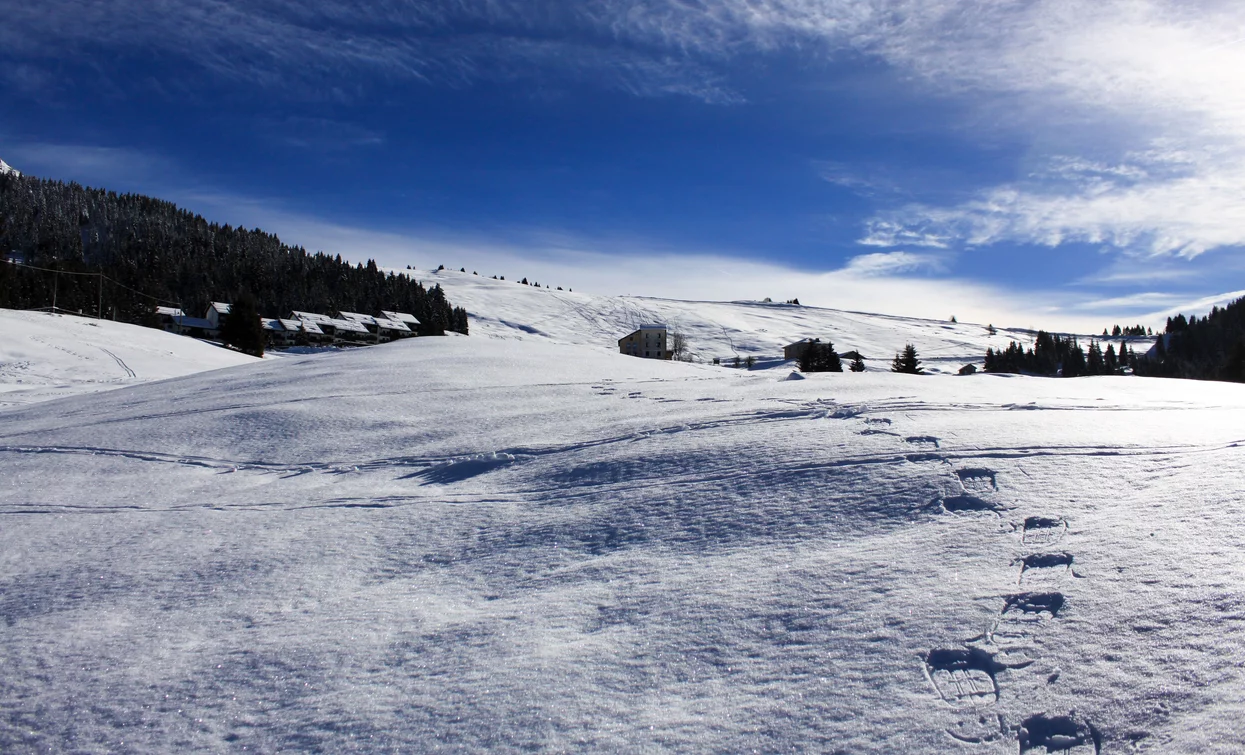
1210 348
152 252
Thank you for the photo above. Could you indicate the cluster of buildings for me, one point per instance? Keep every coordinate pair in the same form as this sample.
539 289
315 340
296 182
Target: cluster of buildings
300 328
653 342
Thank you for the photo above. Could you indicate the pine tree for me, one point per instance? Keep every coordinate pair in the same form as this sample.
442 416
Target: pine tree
1110 363
858 364
808 357
907 362
242 328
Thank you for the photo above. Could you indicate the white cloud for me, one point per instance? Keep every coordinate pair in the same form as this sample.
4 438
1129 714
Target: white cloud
893 263
1136 111
882 282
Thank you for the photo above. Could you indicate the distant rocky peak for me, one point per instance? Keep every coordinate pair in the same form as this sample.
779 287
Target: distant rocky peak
6 168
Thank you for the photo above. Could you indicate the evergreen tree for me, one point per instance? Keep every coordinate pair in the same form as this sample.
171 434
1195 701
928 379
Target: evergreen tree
1094 362
1110 363
171 256
1234 367
820 357
907 362
858 364
242 328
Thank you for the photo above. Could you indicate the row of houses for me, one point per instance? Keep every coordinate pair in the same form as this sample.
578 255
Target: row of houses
311 328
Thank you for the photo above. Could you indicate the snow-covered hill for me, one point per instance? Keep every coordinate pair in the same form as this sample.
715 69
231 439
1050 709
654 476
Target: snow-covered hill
6 168
487 544
45 356
507 309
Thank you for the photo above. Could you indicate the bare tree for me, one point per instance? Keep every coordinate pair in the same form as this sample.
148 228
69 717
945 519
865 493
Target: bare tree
678 347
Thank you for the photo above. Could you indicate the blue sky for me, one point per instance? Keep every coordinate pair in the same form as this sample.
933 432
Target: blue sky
1035 164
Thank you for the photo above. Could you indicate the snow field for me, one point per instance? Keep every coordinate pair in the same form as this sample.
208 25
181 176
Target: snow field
45 356
507 309
471 543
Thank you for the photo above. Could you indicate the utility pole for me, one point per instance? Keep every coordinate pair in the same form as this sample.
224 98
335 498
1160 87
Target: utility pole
99 302
56 282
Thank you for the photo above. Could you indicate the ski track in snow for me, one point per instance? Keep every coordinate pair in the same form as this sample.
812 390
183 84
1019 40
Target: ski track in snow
500 545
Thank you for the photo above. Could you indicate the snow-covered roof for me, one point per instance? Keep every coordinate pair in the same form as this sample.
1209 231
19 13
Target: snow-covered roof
348 326
170 312
310 327
220 307
651 327
405 317
270 324
384 324
311 316
291 325
355 316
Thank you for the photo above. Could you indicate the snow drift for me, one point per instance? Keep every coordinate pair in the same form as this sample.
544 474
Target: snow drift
474 544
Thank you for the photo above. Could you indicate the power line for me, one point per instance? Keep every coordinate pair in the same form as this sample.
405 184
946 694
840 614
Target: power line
100 275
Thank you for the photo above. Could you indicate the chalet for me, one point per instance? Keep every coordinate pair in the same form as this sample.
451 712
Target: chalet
168 318
647 342
309 329
309 317
366 321
276 334
796 350
217 313
348 331
405 318
391 330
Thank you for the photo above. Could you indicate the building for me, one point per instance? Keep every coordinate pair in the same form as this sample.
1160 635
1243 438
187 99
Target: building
168 317
648 342
275 334
391 330
195 327
348 331
796 350
405 318
217 313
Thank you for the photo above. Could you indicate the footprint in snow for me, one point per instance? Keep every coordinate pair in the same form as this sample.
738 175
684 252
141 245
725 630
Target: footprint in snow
1043 531
1017 626
981 728
978 481
963 676
1045 568
978 488
1062 734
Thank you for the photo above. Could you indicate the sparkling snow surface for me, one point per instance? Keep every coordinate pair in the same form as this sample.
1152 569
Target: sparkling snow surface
45 356
471 544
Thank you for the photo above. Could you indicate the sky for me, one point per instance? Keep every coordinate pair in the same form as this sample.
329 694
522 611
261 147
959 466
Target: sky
1032 164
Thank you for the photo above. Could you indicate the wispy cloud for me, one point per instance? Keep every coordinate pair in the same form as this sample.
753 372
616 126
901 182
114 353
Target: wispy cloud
894 263
899 283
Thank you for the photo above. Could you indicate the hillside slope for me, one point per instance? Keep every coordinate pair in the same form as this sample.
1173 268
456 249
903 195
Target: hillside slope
480 544
45 356
506 309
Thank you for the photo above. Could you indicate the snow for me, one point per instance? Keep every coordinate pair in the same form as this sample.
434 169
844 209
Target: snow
6 168
721 330
45 356
521 541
